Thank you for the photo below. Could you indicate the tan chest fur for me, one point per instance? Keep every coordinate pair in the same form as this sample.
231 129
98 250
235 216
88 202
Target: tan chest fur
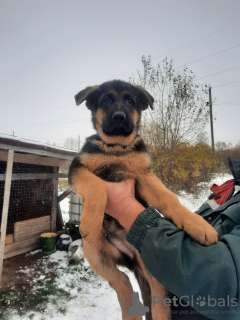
134 161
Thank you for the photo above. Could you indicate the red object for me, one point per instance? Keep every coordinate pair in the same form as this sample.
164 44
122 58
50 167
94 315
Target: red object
225 190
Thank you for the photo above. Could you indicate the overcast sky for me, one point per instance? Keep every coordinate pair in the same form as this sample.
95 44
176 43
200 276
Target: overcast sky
51 49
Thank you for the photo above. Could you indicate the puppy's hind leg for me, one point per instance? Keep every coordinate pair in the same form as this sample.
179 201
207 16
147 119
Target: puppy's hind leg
157 294
145 291
101 259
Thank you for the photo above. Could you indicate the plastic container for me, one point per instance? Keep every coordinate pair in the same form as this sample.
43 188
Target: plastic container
75 251
48 241
75 209
63 242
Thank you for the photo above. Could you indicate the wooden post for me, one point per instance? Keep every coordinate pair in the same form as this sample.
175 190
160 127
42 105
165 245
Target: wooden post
7 190
54 202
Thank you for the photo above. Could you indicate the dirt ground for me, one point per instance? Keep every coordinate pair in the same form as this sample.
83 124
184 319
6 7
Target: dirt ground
20 272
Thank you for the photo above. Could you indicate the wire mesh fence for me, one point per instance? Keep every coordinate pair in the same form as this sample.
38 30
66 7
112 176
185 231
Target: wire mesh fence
29 199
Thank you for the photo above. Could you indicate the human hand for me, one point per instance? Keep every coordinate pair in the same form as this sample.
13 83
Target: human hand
121 202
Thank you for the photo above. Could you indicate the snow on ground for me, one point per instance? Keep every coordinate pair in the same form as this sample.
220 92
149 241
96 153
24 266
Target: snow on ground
64 204
90 296
193 202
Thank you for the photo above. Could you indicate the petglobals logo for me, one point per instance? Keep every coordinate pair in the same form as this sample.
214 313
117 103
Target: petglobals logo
132 306
212 302
199 301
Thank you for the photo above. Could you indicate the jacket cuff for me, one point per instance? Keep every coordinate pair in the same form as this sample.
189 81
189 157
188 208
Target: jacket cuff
147 219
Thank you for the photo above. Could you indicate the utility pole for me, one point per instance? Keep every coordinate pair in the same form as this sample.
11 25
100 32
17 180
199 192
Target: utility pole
211 119
78 143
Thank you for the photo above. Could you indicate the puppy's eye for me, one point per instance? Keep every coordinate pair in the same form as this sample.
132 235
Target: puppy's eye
107 101
129 101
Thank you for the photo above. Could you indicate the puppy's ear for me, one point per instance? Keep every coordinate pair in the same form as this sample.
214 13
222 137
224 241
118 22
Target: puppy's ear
145 99
86 94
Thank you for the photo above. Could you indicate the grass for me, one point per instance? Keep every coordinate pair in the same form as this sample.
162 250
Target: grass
63 310
27 301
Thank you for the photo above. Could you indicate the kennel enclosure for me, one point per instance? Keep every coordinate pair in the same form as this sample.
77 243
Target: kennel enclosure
29 175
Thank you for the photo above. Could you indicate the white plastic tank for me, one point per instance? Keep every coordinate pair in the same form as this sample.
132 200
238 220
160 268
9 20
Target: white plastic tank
75 208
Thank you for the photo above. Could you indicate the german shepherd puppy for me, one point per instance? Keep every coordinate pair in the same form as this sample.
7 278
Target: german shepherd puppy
117 152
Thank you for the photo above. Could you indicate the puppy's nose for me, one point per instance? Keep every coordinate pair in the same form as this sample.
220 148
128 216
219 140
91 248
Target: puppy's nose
119 116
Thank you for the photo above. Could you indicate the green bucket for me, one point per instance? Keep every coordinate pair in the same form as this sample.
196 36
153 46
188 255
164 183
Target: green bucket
48 241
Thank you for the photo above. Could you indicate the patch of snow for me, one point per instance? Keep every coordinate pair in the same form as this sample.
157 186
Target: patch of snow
25 270
33 252
60 257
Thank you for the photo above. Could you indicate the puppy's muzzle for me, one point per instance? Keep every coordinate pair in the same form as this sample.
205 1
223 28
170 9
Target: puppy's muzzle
118 124
119 116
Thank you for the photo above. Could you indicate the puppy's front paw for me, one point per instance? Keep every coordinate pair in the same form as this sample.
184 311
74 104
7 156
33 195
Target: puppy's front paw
200 230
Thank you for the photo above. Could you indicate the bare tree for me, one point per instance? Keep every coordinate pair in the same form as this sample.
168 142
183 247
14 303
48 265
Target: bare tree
71 143
180 113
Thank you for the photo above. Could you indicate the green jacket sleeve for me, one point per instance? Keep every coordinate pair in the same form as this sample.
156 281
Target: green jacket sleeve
207 278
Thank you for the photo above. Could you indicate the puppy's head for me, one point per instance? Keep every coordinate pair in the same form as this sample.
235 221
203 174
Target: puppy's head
116 108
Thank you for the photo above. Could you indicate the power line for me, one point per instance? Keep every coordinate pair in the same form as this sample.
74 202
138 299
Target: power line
189 44
227 104
207 36
235 137
56 122
228 137
72 117
226 84
211 55
200 39
218 73
53 110
232 102
56 109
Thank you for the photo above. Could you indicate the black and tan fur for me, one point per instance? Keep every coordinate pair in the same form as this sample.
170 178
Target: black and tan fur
117 153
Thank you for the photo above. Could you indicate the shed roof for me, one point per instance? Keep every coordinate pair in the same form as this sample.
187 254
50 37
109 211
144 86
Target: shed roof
32 147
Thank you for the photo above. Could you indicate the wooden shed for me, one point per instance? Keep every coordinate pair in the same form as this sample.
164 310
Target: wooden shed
29 175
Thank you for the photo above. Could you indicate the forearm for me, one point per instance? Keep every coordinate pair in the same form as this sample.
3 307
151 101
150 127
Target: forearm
186 268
